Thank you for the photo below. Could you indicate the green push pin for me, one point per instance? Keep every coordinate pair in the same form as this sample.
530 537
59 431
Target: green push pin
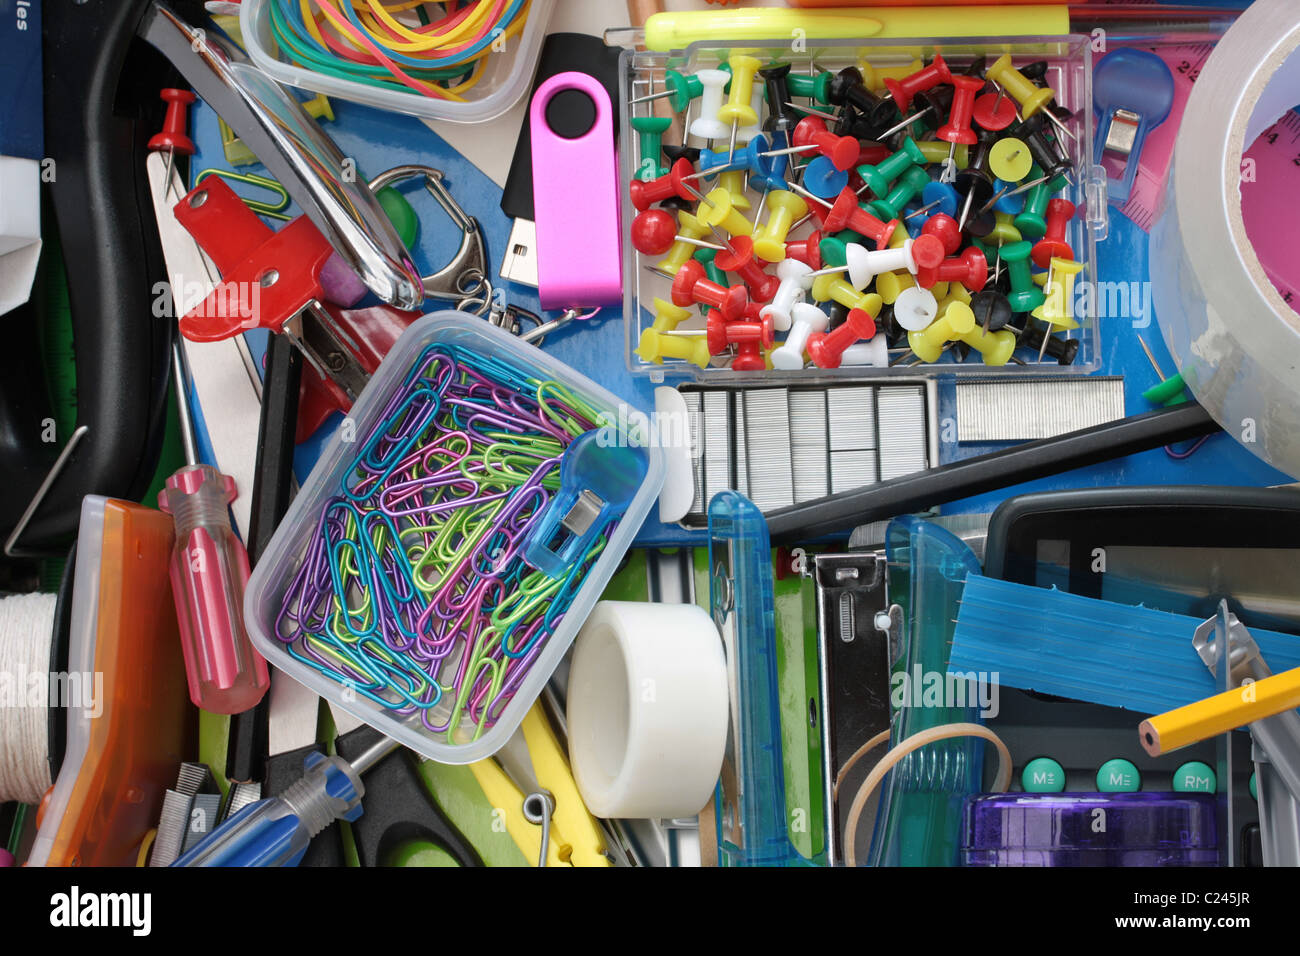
1030 221
1118 776
705 258
1025 294
1043 775
816 88
1169 391
1195 777
908 187
834 251
650 134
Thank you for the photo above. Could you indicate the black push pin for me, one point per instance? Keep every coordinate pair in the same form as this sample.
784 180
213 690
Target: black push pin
992 310
1063 350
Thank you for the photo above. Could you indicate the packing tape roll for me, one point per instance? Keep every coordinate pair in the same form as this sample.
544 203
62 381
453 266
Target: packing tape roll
1236 342
647 710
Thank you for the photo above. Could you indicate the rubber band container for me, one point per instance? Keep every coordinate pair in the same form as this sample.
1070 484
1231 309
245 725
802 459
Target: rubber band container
506 78
283 637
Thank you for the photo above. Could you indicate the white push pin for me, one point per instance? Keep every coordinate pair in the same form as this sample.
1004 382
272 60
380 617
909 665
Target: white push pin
863 264
915 308
874 353
805 320
707 125
794 283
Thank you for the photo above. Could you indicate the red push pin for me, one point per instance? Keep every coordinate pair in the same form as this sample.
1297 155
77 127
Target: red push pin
845 213
690 287
926 78
739 258
646 193
173 137
970 268
842 151
808 251
722 333
655 230
994 111
869 154
957 129
1053 244
827 348
944 228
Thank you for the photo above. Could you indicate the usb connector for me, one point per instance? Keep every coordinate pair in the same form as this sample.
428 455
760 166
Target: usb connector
520 262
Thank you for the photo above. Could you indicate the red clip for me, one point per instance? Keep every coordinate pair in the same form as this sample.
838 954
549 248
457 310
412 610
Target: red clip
267 277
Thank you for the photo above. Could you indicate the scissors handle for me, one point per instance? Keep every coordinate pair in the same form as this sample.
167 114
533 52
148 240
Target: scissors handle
398 806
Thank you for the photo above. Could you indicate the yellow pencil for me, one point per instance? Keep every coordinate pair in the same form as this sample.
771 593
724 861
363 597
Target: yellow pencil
1223 712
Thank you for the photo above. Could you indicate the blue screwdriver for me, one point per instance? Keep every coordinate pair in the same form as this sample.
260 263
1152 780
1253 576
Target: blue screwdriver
277 831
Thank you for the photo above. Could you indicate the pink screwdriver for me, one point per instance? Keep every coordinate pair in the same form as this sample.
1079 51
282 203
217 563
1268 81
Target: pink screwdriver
209 569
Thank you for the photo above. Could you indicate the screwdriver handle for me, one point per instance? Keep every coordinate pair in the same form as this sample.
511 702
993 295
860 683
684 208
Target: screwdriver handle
277 831
209 569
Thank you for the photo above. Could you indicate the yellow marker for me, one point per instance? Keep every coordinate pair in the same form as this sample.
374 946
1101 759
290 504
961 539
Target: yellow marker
1221 713
678 30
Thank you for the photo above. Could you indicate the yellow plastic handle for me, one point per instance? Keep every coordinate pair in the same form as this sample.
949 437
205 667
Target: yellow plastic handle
504 798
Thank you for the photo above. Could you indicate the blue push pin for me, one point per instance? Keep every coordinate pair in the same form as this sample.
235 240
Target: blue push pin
822 179
1012 205
767 173
1132 92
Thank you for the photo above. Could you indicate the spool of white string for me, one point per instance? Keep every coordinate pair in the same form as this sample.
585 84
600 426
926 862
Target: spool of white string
26 630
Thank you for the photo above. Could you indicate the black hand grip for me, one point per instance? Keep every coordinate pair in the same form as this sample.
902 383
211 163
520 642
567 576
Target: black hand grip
101 107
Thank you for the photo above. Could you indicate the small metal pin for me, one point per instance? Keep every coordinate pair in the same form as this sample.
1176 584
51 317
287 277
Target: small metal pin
1151 358
1055 121
803 192
996 196
698 195
905 123
965 209
915 213
654 270
813 112
807 147
829 270
650 96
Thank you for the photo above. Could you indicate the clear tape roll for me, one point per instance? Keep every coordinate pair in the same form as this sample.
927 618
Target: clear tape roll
1236 342
647 710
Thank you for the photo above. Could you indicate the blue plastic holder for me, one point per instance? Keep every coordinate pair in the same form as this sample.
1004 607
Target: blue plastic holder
1134 89
1100 652
749 804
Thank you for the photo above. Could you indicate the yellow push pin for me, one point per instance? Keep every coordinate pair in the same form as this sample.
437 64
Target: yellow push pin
889 285
783 209
657 346
996 348
1030 97
737 110
928 344
1010 160
668 316
689 226
721 212
1057 309
835 288
733 181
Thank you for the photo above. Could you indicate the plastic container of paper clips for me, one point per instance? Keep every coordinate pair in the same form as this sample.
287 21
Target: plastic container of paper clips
397 585
1069 73
505 76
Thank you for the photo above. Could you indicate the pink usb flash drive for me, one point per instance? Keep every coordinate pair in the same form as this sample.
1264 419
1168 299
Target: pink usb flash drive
575 202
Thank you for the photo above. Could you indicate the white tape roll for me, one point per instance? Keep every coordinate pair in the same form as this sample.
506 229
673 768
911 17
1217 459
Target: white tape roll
647 710
1235 340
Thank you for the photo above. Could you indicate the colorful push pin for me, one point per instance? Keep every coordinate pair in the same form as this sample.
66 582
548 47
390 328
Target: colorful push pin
690 286
995 111
945 229
783 209
864 265
1045 152
173 137
902 91
811 133
829 288
645 194
909 186
1030 97
873 353
1025 296
737 111
1037 340
958 128
1053 244
822 179
776 87
845 213
654 232
827 349
915 309
1010 160
739 259
970 268
1057 309
681 88
1008 198
795 281
1004 230
995 348
929 104
720 212
705 258
890 285
992 310
928 344
668 316
1031 221
733 181
650 134
721 334
767 173
881 176
707 125
1168 391
657 346
940 197
937 152
816 88
807 250
806 319
689 229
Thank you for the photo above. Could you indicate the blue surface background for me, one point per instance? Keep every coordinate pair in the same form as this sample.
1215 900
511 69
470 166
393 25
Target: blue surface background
379 140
